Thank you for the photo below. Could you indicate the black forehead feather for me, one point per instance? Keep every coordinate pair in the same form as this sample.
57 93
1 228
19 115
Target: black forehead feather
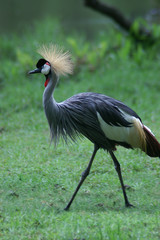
40 63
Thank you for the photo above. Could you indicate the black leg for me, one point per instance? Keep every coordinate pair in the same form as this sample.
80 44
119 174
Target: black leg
83 177
118 169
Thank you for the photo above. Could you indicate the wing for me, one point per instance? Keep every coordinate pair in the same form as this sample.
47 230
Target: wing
86 106
120 123
114 112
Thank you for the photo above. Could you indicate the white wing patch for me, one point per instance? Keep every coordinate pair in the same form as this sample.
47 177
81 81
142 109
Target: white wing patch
149 130
132 135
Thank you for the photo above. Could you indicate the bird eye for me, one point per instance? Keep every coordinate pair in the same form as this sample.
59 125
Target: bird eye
46 69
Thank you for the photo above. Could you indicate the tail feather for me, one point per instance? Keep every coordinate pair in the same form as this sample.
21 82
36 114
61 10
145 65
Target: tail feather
152 145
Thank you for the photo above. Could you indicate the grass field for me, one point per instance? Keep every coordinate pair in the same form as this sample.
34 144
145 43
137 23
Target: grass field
37 180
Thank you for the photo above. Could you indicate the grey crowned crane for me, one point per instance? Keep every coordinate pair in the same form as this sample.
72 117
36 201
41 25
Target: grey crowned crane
106 122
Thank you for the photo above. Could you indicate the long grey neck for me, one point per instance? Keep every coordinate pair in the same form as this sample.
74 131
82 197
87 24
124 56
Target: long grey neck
59 119
49 103
48 92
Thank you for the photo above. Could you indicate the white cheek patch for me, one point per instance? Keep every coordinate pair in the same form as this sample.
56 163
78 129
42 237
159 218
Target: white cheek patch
45 70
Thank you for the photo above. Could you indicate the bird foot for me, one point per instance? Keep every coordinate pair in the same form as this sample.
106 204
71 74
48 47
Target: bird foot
129 205
66 208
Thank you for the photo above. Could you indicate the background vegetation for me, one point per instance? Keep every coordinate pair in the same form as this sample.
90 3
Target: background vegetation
37 180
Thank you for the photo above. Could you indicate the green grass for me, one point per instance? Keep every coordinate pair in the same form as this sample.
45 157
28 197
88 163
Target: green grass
37 180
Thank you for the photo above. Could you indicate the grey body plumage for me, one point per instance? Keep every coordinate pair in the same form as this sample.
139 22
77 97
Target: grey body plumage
77 117
106 122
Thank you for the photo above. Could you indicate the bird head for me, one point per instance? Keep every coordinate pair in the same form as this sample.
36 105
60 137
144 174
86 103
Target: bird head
55 62
43 67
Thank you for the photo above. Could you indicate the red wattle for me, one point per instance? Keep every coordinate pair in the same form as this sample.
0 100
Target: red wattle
46 82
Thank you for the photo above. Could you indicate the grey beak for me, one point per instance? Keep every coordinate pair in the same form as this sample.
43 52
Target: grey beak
37 70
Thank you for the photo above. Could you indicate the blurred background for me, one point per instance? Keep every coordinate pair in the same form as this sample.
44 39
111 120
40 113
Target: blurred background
15 15
35 179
